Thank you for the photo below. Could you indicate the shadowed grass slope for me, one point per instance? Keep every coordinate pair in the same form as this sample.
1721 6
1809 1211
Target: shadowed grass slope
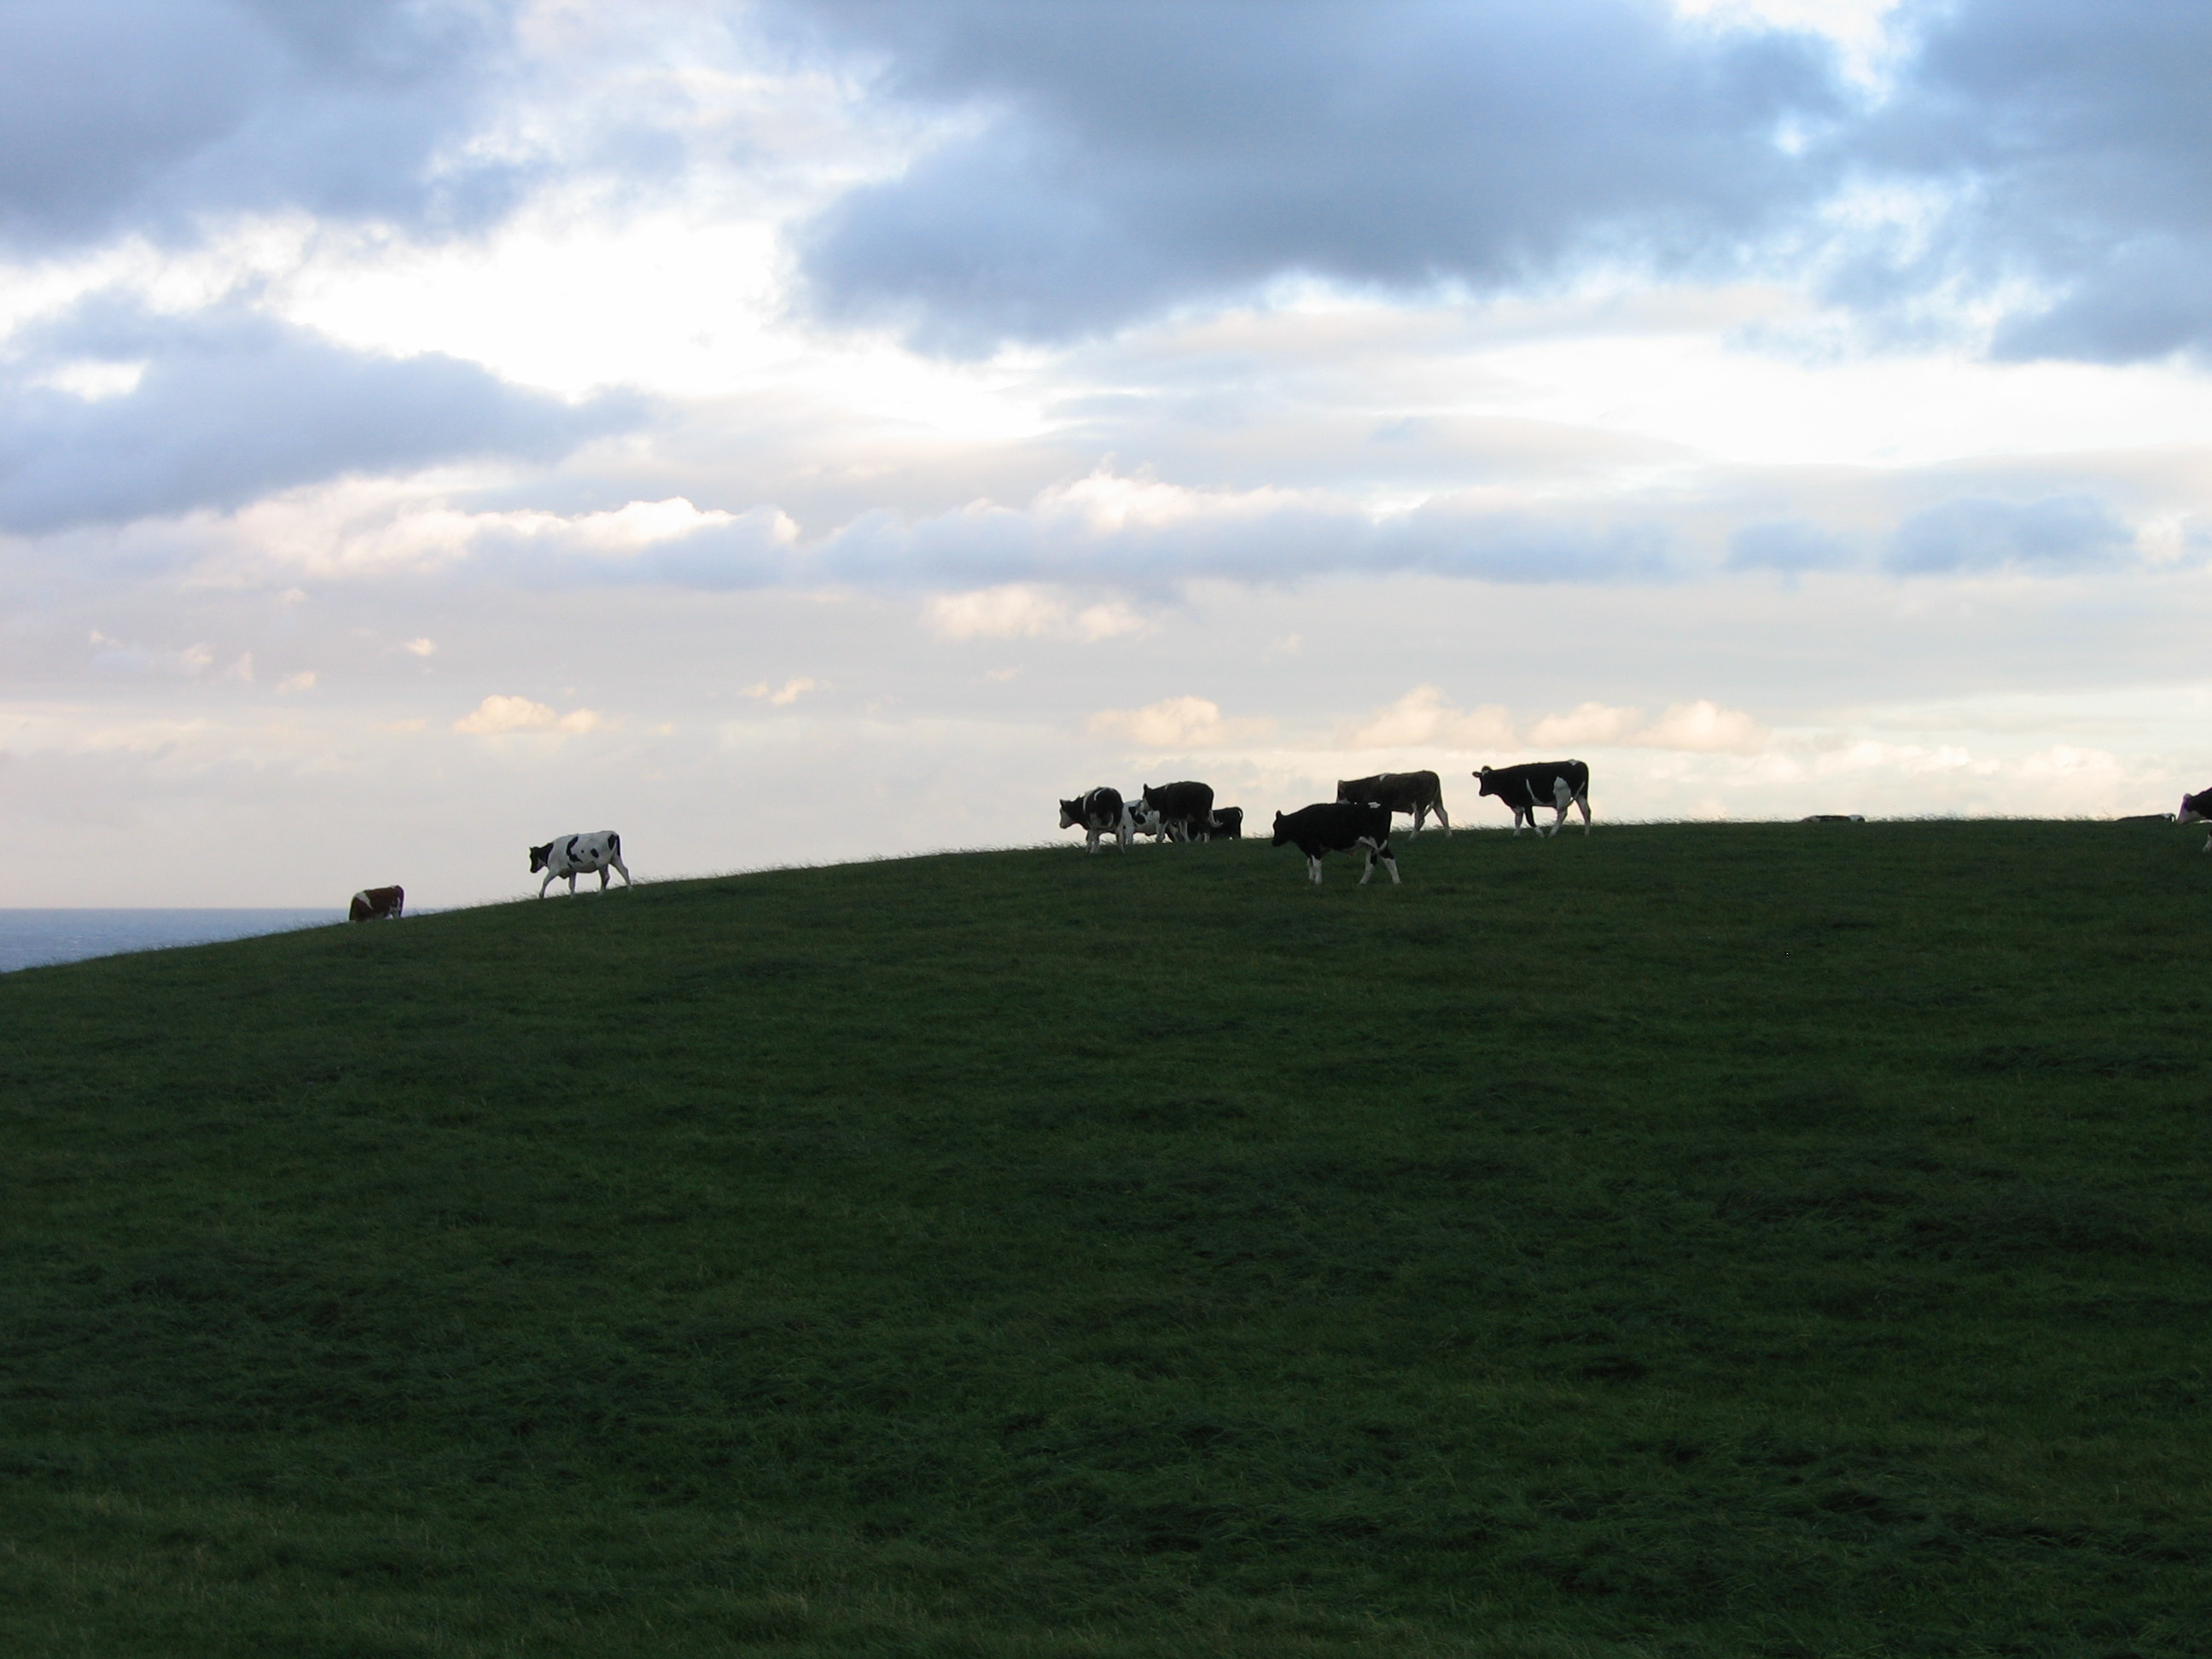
1688 1240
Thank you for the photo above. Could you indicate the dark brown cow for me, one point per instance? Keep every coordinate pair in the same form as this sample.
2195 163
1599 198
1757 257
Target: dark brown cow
1185 808
1416 793
378 904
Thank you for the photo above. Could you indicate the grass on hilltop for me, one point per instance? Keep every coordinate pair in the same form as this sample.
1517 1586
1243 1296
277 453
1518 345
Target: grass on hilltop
1782 1240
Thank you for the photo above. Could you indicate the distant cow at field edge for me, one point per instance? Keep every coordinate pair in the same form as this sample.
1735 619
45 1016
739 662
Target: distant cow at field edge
1228 825
1338 827
579 855
1098 812
378 904
1186 809
1559 784
1419 793
2196 809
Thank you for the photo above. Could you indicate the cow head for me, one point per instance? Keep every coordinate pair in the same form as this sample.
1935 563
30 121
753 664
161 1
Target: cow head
1487 781
2194 809
1279 829
1071 813
539 857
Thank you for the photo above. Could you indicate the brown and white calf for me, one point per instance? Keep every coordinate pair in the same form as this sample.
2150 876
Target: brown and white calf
378 904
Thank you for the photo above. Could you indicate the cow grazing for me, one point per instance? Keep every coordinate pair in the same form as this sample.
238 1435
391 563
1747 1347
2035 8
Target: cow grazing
2196 809
377 904
1098 813
1186 809
1338 827
1419 793
579 855
1228 825
1559 784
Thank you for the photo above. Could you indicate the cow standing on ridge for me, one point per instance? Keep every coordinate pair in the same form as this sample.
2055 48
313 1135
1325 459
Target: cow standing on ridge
2196 809
1419 793
1559 784
1099 812
1185 809
378 904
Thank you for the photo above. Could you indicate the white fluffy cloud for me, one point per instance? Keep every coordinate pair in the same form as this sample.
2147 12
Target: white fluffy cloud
497 715
1178 723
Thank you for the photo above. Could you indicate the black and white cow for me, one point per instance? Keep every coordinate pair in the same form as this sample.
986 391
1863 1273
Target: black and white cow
2196 809
1338 827
1186 809
1419 793
579 855
378 904
1228 825
1559 784
1099 812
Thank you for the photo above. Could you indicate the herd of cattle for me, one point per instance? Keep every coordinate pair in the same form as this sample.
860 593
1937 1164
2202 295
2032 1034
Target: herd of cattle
1358 819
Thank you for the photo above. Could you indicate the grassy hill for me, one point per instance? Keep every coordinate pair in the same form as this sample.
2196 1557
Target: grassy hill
1782 1240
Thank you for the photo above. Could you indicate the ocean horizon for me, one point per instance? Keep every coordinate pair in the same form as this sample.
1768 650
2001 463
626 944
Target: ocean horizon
44 937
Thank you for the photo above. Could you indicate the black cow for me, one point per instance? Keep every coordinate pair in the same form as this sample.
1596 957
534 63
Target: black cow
1558 784
1099 813
1338 827
1416 793
2196 809
1228 825
1185 808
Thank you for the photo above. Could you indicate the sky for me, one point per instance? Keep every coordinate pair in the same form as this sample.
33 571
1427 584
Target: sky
801 430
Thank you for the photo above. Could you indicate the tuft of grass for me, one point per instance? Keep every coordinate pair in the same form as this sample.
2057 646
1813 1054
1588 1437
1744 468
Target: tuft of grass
1688 1240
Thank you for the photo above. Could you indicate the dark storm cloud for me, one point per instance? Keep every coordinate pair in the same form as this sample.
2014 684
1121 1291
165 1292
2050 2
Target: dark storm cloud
2073 138
1118 161
2054 536
119 115
232 406
1129 156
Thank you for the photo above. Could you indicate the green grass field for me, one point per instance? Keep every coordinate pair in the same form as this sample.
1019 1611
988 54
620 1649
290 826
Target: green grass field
1781 1240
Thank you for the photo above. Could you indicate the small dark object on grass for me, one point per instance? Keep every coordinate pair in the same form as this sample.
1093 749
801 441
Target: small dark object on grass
1833 818
2146 817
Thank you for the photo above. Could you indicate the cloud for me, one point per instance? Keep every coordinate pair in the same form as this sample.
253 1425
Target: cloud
1703 728
1019 611
2053 536
1424 718
1178 723
1109 162
789 692
497 715
1790 545
232 405
148 115
2068 145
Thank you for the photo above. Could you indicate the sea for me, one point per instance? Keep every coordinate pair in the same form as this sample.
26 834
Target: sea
37 938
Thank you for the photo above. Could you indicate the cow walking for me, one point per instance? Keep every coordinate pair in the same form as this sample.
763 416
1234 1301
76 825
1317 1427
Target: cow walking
377 904
579 855
1338 827
1099 812
1558 784
1418 793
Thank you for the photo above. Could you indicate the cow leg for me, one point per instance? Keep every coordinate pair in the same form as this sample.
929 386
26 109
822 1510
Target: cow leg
624 868
1313 868
1583 801
545 883
572 884
1445 821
